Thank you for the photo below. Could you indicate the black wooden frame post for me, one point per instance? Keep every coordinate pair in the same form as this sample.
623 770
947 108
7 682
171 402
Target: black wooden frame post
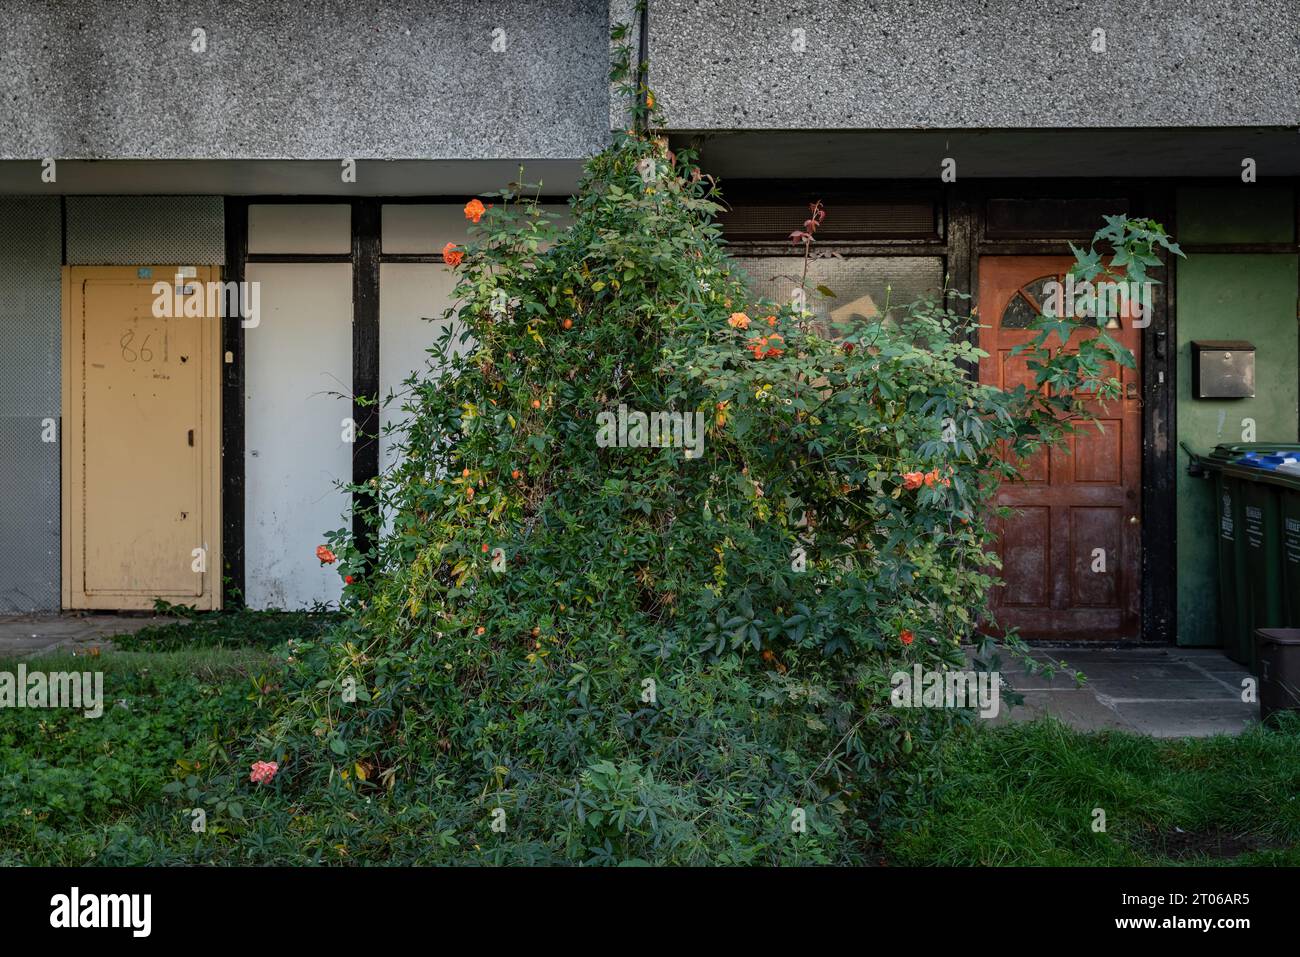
365 363
1159 527
232 409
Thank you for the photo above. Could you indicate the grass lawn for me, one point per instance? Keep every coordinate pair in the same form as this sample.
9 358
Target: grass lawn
115 790
1025 795
77 790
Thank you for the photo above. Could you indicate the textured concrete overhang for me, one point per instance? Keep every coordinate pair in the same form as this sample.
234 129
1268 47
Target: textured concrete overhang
450 178
308 79
985 154
974 64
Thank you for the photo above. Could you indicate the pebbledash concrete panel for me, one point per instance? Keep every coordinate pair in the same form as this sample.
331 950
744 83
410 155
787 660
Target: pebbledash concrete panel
974 64
304 79
30 402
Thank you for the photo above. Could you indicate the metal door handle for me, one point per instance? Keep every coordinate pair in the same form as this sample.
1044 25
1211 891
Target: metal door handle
191 438
1132 519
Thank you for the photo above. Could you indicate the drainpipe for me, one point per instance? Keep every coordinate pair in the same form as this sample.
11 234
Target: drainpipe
643 54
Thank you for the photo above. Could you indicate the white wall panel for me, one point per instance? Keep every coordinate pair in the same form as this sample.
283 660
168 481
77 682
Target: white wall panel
419 228
318 229
412 300
298 383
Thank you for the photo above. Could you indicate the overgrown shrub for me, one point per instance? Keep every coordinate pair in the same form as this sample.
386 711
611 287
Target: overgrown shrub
564 651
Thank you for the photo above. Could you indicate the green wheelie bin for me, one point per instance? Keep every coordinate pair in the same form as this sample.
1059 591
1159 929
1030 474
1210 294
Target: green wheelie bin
1261 540
1239 536
1287 480
1233 625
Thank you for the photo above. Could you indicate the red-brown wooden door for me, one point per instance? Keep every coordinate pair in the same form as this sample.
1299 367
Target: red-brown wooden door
1071 551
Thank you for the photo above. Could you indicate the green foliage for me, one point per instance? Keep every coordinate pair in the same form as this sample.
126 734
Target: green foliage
235 628
532 583
1024 796
73 788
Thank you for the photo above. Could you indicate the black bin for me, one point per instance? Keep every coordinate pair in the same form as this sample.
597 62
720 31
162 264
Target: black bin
1277 653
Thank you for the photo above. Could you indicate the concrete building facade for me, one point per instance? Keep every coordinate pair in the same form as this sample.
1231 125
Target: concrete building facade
322 151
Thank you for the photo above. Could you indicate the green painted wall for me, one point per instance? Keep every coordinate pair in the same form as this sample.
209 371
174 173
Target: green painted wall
1230 296
1245 214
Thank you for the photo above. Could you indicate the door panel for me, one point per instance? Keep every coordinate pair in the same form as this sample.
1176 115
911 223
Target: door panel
141 443
1071 550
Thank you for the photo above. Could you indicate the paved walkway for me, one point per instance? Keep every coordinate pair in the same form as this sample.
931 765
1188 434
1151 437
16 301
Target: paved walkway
30 636
1164 692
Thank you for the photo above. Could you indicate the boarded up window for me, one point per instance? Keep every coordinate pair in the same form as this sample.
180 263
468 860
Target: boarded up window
1049 217
901 219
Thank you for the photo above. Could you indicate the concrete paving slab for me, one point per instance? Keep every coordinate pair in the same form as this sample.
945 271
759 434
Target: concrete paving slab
1080 709
32 636
1188 719
1140 687
1164 692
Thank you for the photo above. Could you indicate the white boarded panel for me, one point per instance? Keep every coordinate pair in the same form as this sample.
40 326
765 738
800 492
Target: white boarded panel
298 228
410 294
412 300
421 228
424 228
298 376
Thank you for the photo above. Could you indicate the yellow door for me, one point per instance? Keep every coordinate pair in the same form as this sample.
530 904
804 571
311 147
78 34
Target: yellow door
141 438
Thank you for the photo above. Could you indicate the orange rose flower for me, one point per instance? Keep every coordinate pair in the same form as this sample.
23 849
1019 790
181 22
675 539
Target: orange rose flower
906 637
760 346
913 480
738 320
451 255
325 555
474 210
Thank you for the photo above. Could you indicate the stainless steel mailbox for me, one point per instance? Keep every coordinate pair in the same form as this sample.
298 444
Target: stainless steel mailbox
1223 369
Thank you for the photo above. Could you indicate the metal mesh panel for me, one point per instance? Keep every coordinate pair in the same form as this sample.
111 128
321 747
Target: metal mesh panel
136 230
30 327
862 284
